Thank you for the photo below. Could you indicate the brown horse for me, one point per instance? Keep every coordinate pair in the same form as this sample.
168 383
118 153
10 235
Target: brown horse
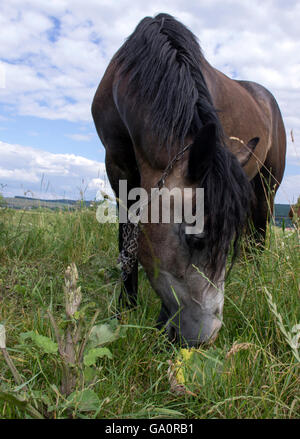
160 105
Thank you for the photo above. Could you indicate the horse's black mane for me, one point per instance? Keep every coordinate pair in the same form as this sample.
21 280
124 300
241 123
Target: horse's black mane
162 63
228 197
163 59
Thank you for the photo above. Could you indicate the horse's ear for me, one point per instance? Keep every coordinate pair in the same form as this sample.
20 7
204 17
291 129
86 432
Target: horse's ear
245 153
202 151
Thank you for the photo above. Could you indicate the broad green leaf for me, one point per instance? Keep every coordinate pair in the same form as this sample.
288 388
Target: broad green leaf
26 335
44 343
91 357
82 311
84 401
166 412
199 367
101 334
39 395
21 403
13 400
158 411
89 374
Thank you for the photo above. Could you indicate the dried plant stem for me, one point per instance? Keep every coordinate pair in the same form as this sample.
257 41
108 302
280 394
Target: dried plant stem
33 412
67 344
176 387
236 347
12 367
68 355
56 332
69 376
84 342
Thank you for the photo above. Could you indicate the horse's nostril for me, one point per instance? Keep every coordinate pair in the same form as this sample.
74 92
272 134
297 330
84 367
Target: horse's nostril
172 334
217 312
214 336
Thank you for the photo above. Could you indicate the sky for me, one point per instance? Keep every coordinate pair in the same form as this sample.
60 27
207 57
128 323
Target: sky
54 53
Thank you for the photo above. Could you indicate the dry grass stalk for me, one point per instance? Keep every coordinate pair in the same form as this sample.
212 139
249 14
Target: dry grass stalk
292 136
7 358
236 347
179 389
292 337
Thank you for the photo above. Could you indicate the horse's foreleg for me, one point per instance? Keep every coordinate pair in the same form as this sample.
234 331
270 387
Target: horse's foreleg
129 288
119 169
163 317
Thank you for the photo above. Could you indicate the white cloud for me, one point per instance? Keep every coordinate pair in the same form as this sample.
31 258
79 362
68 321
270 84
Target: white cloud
24 175
48 175
24 168
55 52
289 190
252 40
81 137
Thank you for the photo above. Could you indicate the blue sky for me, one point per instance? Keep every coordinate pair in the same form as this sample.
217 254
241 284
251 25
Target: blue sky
53 55
53 135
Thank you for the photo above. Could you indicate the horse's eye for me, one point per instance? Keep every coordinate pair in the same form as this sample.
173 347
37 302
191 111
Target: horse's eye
196 241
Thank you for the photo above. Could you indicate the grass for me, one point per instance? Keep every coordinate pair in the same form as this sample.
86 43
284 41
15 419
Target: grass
260 380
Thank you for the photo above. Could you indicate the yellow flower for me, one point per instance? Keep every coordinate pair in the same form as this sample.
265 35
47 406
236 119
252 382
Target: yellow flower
186 353
180 363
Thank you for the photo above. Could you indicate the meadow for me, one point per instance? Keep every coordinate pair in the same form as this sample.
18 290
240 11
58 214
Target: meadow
256 372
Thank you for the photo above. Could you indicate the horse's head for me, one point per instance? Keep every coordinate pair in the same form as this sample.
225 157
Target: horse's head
186 267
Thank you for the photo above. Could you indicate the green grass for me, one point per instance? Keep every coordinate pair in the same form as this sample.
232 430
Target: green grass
260 382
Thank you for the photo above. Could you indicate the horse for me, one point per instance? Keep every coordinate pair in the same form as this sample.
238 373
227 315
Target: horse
164 114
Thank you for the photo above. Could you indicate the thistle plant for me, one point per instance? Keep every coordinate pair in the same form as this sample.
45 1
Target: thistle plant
73 294
71 354
78 345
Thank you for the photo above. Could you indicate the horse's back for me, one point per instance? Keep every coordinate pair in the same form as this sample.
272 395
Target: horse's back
262 96
275 158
